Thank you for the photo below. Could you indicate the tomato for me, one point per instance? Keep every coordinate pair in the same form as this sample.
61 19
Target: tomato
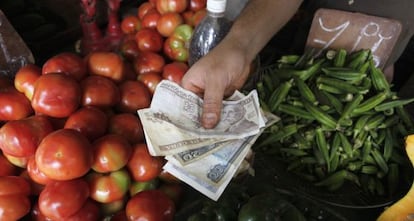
88 212
14 201
37 215
20 162
168 22
143 166
25 79
35 174
197 5
173 190
99 91
67 63
164 6
176 46
56 95
111 152
188 17
149 40
152 205
134 96
109 209
14 105
20 138
137 186
151 80
107 64
128 125
89 121
35 188
198 16
148 62
64 154
129 48
150 19
6 168
61 199
144 8
174 71
130 24
14 185
14 207
109 187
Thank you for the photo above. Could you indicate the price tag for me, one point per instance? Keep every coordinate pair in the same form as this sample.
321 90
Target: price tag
334 29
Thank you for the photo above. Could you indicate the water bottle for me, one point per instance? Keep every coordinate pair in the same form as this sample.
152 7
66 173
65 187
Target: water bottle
210 31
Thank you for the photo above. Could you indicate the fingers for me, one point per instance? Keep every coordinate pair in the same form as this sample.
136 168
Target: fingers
213 97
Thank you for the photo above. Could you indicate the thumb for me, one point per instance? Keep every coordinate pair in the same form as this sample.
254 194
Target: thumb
212 104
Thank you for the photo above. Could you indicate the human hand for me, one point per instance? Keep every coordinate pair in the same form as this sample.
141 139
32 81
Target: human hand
216 76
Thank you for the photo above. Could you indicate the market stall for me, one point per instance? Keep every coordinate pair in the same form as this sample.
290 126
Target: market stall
94 124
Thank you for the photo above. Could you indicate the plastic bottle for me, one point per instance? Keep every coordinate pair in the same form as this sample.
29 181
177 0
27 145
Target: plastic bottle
210 31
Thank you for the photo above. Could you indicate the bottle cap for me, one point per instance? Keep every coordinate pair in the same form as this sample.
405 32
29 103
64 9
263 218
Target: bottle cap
216 6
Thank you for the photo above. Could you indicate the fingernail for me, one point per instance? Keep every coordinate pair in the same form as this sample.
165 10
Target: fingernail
209 120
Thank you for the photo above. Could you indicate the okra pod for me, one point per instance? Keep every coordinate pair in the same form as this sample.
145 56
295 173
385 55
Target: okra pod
334 102
392 104
350 107
334 178
340 58
379 159
340 84
370 103
320 116
295 111
366 150
358 58
322 146
289 59
379 81
279 135
369 169
305 91
388 144
294 152
279 95
393 178
347 74
346 145
329 88
374 121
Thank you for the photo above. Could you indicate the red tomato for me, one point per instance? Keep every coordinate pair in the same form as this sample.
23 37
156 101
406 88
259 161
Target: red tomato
67 63
143 166
188 17
37 215
174 71
152 205
148 62
61 199
144 8
6 168
198 16
17 161
35 174
164 6
14 105
109 187
197 5
56 95
129 48
14 207
89 121
176 46
127 125
149 40
134 96
64 154
25 79
173 190
14 185
111 152
99 91
107 64
150 19
151 80
137 186
130 24
20 138
88 212
168 22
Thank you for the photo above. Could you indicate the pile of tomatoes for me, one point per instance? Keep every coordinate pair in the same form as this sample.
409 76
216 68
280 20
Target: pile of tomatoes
72 144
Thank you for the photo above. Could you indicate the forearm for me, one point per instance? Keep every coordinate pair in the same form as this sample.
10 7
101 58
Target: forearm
258 22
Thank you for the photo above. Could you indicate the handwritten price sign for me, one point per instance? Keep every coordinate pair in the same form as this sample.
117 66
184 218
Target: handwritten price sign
334 29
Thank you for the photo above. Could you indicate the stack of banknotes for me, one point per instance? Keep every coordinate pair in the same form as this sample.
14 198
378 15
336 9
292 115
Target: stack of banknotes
205 159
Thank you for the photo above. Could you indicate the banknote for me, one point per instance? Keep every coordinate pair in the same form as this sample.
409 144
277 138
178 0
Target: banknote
239 118
211 174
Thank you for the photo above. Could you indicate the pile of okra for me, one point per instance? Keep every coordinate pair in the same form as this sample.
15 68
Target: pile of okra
340 120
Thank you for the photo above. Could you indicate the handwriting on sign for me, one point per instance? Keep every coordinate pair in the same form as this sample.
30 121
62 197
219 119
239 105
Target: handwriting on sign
353 31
